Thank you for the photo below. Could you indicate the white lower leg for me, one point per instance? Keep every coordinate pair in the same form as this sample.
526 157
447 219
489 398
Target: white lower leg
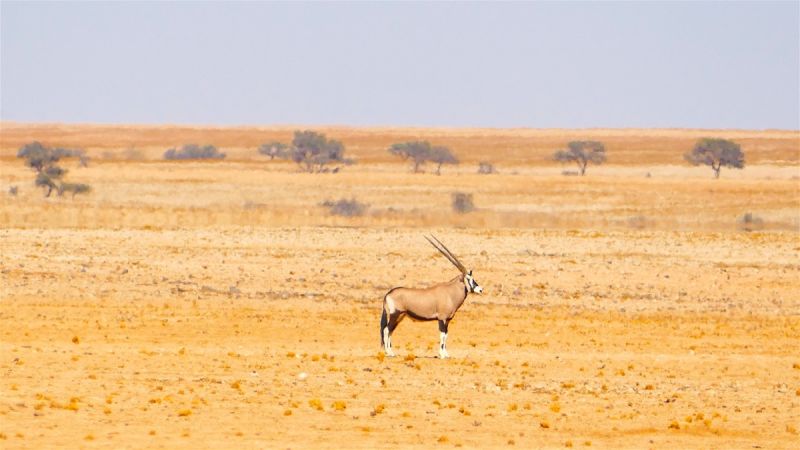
387 342
443 345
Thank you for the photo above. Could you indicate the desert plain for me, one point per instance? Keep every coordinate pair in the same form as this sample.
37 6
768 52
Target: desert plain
219 304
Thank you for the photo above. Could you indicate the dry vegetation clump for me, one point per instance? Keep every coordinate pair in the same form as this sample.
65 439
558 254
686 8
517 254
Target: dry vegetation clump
346 208
750 222
194 151
462 202
486 168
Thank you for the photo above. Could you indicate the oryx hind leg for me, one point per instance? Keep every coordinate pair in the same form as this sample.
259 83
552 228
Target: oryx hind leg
394 319
443 324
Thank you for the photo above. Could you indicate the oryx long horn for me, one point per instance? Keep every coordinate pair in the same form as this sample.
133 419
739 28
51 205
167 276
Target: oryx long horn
447 253
452 255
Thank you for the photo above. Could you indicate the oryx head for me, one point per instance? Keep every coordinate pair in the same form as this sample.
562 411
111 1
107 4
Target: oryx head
469 280
471 284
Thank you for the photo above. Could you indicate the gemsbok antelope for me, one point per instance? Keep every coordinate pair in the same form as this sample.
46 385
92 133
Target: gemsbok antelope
439 302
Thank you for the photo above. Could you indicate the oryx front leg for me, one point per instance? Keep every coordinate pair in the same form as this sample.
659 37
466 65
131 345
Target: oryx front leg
443 339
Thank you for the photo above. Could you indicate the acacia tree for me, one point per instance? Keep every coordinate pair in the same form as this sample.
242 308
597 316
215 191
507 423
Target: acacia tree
311 151
49 175
716 153
442 155
416 151
420 152
582 153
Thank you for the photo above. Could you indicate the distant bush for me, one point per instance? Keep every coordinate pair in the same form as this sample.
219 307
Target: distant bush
486 168
346 208
462 202
194 151
750 222
74 188
13 191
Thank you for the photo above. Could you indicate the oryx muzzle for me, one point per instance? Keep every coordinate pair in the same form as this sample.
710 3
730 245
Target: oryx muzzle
439 302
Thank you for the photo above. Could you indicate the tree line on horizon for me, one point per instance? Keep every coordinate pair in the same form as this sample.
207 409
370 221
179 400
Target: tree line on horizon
313 152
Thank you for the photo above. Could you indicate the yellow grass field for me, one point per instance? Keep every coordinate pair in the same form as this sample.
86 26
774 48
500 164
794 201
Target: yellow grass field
220 305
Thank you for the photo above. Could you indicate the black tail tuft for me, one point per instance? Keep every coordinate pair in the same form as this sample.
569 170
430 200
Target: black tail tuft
384 323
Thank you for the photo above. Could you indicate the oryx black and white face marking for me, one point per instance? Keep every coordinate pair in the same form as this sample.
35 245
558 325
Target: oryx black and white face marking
471 284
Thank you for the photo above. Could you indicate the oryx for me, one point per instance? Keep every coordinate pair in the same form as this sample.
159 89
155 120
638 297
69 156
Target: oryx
439 302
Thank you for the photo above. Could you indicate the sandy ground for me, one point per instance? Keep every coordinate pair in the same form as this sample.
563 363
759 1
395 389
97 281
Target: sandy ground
218 305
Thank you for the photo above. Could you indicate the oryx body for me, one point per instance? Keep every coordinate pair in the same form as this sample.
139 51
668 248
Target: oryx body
439 302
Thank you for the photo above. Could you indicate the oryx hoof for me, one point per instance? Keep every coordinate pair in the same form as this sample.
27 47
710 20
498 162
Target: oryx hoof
443 355
389 354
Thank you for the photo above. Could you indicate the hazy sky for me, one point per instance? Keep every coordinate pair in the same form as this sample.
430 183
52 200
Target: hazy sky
557 64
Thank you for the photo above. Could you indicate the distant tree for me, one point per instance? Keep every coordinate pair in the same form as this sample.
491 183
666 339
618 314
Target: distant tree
582 153
194 151
37 156
417 151
442 155
716 153
43 159
420 152
274 150
313 151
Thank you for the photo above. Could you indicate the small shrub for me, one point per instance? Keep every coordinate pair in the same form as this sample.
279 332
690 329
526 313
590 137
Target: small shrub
462 202
486 168
13 191
75 188
346 208
750 222
194 151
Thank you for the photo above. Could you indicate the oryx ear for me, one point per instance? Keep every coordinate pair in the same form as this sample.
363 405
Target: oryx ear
469 273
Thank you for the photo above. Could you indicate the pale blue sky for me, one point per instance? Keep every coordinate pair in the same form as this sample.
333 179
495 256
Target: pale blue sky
556 64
